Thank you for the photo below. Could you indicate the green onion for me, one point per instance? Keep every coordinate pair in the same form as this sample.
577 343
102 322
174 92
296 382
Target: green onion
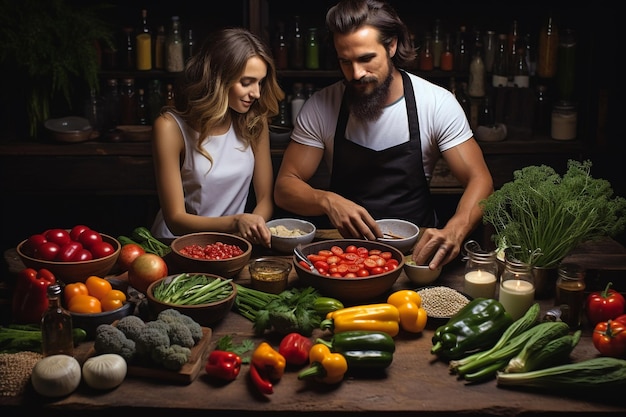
192 289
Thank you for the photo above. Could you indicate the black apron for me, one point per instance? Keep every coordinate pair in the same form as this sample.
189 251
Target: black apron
390 183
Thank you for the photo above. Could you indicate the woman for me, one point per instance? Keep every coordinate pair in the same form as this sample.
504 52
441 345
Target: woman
214 143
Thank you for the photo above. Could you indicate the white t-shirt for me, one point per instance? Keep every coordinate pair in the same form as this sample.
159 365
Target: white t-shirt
223 190
442 122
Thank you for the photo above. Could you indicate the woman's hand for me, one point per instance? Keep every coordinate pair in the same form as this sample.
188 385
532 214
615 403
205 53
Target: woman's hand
253 228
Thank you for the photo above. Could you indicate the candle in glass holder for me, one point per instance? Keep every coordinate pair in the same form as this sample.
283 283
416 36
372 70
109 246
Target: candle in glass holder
480 284
517 289
481 271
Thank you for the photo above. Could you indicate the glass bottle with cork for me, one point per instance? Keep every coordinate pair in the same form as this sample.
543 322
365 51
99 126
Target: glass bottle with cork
56 326
500 76
296 46
312 60
128 102
447 56
144 43
548 47
280 49
437 44
426 60
174 59
477 74
159 48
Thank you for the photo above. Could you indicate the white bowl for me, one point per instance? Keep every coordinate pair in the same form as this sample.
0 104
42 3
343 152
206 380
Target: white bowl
285 235
397 227
420 275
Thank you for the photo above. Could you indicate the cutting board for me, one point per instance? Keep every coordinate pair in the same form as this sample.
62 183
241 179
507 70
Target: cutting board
188 373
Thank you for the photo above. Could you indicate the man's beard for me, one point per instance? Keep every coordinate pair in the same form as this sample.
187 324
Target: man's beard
368 106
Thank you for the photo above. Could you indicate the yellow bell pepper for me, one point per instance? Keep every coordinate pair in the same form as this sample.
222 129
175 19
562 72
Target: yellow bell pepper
269 361
325 366
413 317
382 317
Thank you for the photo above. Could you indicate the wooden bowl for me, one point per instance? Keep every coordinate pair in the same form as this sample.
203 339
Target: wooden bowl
205 314
226 268
351 290
75 271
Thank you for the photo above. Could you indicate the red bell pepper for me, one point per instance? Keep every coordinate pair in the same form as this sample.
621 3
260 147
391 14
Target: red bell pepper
30 298
223 364
605 305
609 338
263 384
295 348
267 366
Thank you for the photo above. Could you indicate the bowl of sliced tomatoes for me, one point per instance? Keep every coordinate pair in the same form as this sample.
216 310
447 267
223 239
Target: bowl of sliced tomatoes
350 270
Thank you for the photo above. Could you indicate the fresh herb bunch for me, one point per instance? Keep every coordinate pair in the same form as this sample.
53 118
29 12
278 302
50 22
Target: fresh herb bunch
539 217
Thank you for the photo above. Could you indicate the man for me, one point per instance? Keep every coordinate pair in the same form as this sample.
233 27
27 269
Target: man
381 131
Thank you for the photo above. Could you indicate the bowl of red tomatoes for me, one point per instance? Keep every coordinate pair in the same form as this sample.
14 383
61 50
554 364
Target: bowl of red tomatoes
72 255
351 270
222 254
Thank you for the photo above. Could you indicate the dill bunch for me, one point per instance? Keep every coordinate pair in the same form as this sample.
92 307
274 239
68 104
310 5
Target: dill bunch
539 217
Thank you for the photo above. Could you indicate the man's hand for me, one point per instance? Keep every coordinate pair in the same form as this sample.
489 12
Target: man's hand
351 219
436 248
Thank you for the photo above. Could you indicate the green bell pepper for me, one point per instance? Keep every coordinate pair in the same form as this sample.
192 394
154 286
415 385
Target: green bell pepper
324 305
363 349
475 327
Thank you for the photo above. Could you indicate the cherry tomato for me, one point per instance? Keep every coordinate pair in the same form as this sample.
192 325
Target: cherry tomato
89 237
69 251
85 304
33 243
101 249
113 300
83 255
73 289
59 236
128 254
77 230
363 273
336 250
47 251
98 287
351 249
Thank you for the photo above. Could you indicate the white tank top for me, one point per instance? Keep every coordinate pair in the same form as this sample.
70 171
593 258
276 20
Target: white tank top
212 191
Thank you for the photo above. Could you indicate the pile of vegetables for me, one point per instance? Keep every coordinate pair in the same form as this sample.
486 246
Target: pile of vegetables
141 236
192 289
539 217
27 337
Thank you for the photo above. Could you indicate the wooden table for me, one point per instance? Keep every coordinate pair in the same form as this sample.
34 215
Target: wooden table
415 384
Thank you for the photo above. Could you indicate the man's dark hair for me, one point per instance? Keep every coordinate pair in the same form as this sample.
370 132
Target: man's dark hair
350 15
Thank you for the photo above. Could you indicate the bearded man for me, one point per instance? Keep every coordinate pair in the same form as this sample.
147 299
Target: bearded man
380 131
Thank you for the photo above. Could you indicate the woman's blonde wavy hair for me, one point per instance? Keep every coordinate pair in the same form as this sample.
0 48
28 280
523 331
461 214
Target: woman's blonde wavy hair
202 99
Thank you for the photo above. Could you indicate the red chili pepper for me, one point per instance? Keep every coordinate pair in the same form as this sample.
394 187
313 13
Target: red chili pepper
263 384
30 298
605 305
295 348
223 364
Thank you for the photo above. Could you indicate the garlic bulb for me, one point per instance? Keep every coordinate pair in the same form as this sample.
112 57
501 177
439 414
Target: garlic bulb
105 371
56 375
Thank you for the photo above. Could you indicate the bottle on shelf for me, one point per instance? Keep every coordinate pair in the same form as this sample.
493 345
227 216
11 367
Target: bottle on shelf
500 76
142 108
111 104
159 48
461 57
174 59
296 46
297 101
312 60
94 111
169 95
426 61
566 65
447 56
154 100
463 99
476 86
437 44
521 75
144 43
56 326
128 61
548 47
189 50
128 102
486 116
490 45
280 49
542 111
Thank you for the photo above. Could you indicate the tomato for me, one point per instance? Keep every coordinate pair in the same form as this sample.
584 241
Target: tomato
32 244
47 251
321 265
77 230
98 287
83 255
334 259
336 250
377 270
69 251
101 249
351 249
604 305
85 304
363 273
609 338
128 254
59 236
74 289
113 300
89 237
146 269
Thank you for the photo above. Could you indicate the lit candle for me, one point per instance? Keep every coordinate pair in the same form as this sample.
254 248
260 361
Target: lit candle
480 284
517 296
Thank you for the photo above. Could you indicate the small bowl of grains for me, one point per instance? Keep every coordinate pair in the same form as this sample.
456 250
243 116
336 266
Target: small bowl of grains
441 303
289 233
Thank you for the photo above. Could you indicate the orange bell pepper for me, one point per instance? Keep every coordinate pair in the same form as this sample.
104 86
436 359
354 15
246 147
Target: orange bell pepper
413 317
325 366
85 304
74 289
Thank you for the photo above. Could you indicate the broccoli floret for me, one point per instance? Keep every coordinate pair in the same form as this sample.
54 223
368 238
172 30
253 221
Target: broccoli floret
109 339
157 324
180 335
170 315
131 326
151 338
172 357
